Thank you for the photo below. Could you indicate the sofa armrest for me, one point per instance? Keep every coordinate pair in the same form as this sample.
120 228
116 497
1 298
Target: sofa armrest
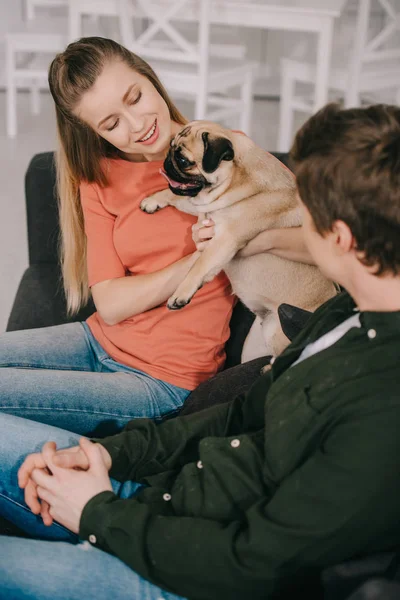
40 300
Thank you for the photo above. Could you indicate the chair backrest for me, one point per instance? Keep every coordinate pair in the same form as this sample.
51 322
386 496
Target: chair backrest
373 49
160 41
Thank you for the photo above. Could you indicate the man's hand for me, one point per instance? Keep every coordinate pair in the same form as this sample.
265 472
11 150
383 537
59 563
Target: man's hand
67 491
69 458
76 458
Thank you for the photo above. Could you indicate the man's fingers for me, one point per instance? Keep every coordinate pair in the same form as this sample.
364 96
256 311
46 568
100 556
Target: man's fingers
45 495
94 454
71 458
48 452
31 497
32 461
42 479
45 513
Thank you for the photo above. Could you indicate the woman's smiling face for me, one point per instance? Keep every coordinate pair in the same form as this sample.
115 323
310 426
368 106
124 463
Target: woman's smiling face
125 109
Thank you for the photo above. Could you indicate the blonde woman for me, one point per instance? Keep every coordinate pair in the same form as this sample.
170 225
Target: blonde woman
133 357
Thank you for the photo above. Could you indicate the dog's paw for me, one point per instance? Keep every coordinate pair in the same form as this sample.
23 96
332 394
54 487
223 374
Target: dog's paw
176 303
182 296
150 205
155 202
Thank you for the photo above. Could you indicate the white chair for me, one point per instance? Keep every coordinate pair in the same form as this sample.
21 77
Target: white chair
31 5
371 70
183 65
28 54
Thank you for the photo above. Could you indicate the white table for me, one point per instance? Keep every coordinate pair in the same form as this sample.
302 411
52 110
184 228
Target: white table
308 16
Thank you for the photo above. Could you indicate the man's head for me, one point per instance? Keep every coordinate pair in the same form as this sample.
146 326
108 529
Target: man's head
347 164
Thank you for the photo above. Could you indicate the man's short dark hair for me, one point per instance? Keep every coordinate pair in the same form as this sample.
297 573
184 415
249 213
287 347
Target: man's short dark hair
347 164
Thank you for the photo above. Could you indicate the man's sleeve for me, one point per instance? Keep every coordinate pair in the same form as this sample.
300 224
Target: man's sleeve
145 448
343 501
103 262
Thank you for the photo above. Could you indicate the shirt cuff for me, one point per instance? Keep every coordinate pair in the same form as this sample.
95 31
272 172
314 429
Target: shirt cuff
115 446
93 523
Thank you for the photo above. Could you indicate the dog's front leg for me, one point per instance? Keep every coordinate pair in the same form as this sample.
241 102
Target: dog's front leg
164 198
220 250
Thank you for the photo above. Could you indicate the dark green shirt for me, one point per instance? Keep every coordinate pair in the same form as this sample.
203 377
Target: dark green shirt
252 495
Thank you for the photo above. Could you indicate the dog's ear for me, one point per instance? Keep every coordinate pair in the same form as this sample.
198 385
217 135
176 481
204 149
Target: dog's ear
215 151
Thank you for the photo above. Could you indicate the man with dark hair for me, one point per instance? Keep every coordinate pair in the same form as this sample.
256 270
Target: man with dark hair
255 496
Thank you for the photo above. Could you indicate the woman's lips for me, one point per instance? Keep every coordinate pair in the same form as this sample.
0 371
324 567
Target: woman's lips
153 137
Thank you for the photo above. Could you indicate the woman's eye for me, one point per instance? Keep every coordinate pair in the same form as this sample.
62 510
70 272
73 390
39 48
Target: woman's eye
136 100
113 126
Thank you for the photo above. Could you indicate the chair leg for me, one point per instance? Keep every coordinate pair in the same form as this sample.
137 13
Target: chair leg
247 103
74 21
286 111
11 92
30 10
35 97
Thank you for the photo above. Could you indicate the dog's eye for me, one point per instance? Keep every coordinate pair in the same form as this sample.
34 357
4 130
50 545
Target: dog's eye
182 161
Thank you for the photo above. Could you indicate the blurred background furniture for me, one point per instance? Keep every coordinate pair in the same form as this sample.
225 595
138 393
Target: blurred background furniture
305 16
183 62
367 63
28 53
31 5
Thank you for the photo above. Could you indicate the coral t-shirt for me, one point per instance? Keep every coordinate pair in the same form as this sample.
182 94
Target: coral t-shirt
183 347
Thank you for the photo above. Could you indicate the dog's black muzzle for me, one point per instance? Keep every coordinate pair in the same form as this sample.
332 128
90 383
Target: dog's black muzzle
182 184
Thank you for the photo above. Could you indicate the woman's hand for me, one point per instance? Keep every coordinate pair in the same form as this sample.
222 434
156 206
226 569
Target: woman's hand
67 491
202 232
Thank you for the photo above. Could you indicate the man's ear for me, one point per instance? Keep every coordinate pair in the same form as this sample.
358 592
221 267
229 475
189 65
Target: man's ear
216 150
343 237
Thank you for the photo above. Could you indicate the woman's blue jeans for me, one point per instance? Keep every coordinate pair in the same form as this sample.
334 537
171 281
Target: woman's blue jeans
55 565
61 376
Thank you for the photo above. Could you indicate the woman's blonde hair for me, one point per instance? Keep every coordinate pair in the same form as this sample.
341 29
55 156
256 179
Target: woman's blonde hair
80 149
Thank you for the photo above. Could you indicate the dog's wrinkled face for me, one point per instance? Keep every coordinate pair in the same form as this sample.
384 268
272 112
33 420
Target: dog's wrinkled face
200 158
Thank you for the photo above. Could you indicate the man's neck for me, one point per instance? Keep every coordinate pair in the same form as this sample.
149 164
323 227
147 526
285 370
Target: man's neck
372 293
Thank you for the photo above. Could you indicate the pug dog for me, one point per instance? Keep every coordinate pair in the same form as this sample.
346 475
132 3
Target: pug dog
217 173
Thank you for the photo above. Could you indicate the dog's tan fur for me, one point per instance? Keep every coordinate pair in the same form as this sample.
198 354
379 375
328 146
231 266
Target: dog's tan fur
249 194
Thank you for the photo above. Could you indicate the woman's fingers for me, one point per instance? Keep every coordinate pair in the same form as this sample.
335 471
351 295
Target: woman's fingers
202 232
206 233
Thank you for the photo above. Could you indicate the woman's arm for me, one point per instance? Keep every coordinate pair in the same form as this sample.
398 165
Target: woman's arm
124 297
286 243
116 295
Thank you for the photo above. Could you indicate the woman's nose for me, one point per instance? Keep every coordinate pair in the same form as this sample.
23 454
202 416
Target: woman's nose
136 124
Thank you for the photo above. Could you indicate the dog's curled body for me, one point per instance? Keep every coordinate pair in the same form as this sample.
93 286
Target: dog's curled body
214 172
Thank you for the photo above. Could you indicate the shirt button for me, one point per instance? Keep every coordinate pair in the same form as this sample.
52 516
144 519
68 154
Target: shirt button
167 497
371 334
199 464
235 443
92 538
